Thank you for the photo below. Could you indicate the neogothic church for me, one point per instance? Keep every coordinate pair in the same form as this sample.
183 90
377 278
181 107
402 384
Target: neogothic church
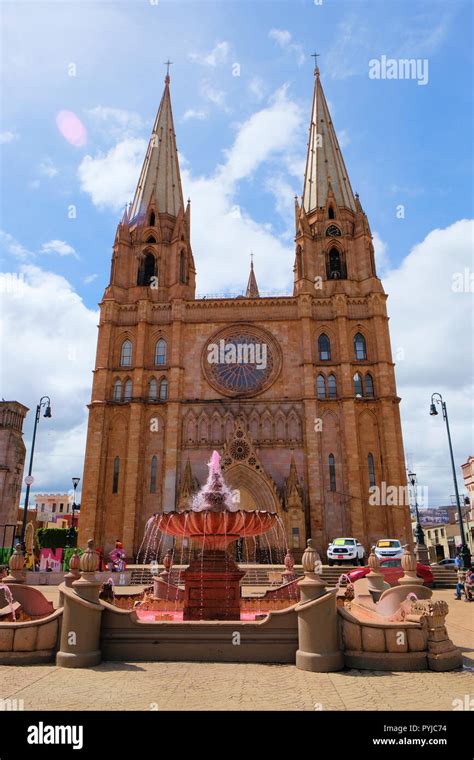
305 433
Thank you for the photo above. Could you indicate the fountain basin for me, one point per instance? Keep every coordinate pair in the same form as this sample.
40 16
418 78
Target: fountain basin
216 530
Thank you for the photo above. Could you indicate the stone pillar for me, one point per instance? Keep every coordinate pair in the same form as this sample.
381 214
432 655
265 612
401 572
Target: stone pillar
442 654
318 649
376 584
422 554
80 631
16 566
73 574
409 566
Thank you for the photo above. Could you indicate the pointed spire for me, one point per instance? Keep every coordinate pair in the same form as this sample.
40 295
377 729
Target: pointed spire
160 179
324 158
252 287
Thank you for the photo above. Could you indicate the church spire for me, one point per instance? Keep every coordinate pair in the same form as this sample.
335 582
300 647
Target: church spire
160 180
252 287
324 163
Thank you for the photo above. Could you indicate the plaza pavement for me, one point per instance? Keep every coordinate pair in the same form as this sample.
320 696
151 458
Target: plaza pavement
228 686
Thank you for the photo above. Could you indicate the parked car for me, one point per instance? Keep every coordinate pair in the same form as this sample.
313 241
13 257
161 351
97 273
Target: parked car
448 563
345 550
388 548
392 570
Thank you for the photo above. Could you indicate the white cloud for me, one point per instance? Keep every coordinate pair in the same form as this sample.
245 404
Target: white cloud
55 338
213 95
284 40
8 137
381 255
431 330
115 123
343 137
47 168
218 55
191 113
90 278
111 179
60 247
257 88
12 246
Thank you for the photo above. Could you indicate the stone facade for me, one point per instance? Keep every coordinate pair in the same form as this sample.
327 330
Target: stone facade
12 461
306 448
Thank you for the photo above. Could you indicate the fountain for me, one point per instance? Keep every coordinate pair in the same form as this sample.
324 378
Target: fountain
212 580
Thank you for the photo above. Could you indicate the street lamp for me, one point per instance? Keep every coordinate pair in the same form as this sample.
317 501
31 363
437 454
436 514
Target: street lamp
72 530
436 398
44 401
419 535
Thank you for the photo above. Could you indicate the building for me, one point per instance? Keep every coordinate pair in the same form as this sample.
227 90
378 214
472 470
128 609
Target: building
443 536
12 461
468 475
297 393
53 505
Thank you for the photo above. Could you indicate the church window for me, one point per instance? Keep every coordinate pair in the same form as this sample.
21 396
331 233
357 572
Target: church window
183 275
295 536
369 385
152 219
336 269
358 391
360 350
332 387
164 389
118 390
160 352
371 467
331 214
321 386
115 483
127 390
147 269
324 348
153 471
332 473
299 262
153 390
126 354
151 239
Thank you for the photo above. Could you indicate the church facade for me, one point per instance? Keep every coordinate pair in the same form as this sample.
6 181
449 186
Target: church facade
297 393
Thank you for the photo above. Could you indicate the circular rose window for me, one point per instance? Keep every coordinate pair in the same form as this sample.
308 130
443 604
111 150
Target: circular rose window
241 361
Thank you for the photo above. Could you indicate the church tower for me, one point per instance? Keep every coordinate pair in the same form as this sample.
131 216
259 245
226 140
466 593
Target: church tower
310 429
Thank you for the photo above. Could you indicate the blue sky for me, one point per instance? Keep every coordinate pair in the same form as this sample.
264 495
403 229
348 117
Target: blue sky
242 145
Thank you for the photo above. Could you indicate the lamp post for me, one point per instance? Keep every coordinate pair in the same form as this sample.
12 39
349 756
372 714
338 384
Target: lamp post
436 398
44 401
421 549
72 530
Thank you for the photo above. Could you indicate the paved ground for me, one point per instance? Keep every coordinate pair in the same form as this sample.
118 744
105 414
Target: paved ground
207 686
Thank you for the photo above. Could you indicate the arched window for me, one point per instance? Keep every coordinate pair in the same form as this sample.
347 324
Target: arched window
183 275
369 385
332 387
127 390
151 239
321 386
358 390
332 473
118 390
115 483
164 389
153 470
331 214
359 347
152 219
371 467
126 354
324 348
160 352
153 390
336 269
147 269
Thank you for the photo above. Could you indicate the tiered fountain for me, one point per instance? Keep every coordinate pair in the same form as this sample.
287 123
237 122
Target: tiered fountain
212 580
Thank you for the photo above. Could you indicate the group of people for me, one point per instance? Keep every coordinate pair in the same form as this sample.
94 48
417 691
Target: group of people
465 584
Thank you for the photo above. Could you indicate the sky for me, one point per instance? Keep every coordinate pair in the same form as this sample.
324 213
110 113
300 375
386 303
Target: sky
81 83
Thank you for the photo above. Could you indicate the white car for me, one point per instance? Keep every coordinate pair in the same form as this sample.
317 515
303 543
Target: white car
388 548
345 550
